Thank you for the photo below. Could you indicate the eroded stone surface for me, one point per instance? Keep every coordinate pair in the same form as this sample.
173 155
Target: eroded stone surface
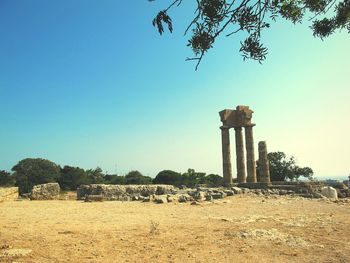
8 193
238 119
264 169
49 191
123 192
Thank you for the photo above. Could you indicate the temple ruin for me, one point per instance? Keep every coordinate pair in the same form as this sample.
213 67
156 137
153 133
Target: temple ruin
246 170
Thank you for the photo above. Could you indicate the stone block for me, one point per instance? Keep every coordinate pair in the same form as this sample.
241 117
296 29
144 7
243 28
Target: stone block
8 193
49 191
330 193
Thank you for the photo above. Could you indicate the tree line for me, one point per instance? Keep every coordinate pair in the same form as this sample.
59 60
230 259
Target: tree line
32 171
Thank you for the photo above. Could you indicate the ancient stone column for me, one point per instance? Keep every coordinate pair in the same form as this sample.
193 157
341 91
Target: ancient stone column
226 155
249 145
241 175
264 168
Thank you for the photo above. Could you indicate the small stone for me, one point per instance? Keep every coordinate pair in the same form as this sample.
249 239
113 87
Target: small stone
161 199
183 198
208 197
229 192
236 190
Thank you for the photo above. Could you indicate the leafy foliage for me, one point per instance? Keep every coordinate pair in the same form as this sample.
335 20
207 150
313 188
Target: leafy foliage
168 177
6 179
214 180
71 177
190 178
135 177
115 179
95 176
283 168
213 18
29 172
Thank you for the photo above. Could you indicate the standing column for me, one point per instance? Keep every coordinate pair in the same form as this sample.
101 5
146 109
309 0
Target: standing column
264 168
226 155
241 175
249 145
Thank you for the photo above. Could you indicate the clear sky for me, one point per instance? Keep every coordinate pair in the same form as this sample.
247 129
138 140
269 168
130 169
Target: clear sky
91 83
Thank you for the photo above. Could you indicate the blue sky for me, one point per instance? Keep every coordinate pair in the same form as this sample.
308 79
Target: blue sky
91 83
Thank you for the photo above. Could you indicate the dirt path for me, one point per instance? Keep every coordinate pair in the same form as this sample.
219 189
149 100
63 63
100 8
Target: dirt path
235 229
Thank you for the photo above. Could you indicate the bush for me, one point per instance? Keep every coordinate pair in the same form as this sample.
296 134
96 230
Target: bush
168 177
71 177
95 176
30 172
214 180
115 179
6 179
135 177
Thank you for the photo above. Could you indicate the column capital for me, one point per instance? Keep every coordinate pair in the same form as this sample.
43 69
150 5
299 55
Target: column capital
224 127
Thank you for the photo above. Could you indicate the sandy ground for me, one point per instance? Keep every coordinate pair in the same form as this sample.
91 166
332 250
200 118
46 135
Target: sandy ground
235 229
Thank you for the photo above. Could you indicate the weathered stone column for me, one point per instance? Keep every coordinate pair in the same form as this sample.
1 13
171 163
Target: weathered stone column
249 145
264 168
226 155
241 175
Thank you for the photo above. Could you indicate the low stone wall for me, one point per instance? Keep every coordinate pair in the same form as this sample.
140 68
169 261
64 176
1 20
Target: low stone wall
123 192
307 187
8 194
49 191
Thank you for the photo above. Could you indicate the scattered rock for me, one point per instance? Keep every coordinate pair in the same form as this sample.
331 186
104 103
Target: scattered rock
218 195
208 197
170 198
330 193
283 192
318 196
236 190
199 196
184 198
229 192
245 190
119 192
161 199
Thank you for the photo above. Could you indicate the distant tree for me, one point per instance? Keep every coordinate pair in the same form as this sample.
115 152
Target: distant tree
214 180
302 172
214 18
29 172
168 177
191 178
283 168
95 176
6 179
135 177
115 179
71 177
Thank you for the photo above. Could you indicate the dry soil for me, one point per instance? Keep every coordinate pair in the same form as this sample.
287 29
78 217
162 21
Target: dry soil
235 229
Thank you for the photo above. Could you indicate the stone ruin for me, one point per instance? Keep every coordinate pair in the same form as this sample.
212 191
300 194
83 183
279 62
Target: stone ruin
49 191
8 193
246 170
122 192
